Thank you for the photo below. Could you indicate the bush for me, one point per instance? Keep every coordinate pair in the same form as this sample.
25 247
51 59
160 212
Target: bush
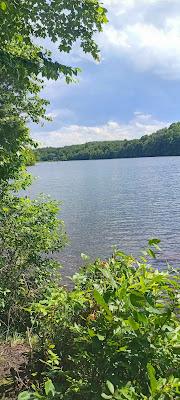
29 233
115 336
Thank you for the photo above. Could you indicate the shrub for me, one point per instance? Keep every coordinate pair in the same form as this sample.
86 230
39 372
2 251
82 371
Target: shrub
115 336
29 233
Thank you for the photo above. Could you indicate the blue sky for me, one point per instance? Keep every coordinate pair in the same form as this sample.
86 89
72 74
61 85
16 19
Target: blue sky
134 90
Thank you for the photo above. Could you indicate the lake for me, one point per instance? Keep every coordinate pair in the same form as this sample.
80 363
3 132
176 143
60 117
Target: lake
121 202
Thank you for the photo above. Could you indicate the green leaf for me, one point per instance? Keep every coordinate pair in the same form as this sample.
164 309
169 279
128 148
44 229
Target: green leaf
100 300
122 349
49 388
152 378
24 396
3 5
154 241
137 299
110 387
107 274
100 337
91 333
106 396
142 317
133 324
151 253
157 311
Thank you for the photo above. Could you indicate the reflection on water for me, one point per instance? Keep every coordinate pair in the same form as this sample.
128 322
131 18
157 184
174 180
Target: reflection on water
121 202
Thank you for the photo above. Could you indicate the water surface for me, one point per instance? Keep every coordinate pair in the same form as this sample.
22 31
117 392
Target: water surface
121 202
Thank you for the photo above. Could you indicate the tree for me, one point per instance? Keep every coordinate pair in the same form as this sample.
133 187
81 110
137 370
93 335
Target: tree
23 64
29 229
165 142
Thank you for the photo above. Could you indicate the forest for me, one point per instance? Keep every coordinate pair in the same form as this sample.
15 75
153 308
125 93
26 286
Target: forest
164 142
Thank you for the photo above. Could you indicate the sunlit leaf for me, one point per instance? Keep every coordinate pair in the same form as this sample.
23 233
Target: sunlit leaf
152 378
49 388
110 387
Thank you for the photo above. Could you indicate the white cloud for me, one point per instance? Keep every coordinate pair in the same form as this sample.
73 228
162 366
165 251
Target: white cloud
61 114
146 32
141 124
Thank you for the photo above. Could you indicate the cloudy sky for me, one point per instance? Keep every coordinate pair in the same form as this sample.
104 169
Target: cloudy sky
134 90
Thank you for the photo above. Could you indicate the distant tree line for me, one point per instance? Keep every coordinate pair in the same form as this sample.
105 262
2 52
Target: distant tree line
165 142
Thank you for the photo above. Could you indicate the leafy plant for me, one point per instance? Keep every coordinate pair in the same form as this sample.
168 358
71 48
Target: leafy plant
115 336
30 233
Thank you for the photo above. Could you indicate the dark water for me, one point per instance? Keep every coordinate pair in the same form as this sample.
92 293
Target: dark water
115 202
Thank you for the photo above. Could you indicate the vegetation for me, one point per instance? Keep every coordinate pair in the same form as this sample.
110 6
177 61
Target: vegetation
115 336
29 231
165 142
24 65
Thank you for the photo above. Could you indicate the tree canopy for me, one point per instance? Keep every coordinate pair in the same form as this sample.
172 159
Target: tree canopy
23 64
26 65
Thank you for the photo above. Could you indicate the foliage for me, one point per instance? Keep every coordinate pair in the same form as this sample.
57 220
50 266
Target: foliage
115 336
14 142
29 234
30 157
24 65
165 142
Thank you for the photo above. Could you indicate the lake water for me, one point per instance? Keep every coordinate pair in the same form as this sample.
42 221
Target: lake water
121 202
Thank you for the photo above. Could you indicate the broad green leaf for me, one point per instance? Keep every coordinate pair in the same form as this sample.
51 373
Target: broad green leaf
24 396
107 274
152 378
133 324
137 299
49 388
91 333
100 300
142 317
110 387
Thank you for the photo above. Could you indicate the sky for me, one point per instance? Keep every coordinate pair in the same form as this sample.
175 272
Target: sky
133 91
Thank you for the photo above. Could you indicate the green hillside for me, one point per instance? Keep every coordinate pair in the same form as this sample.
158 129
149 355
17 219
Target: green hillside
165 142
